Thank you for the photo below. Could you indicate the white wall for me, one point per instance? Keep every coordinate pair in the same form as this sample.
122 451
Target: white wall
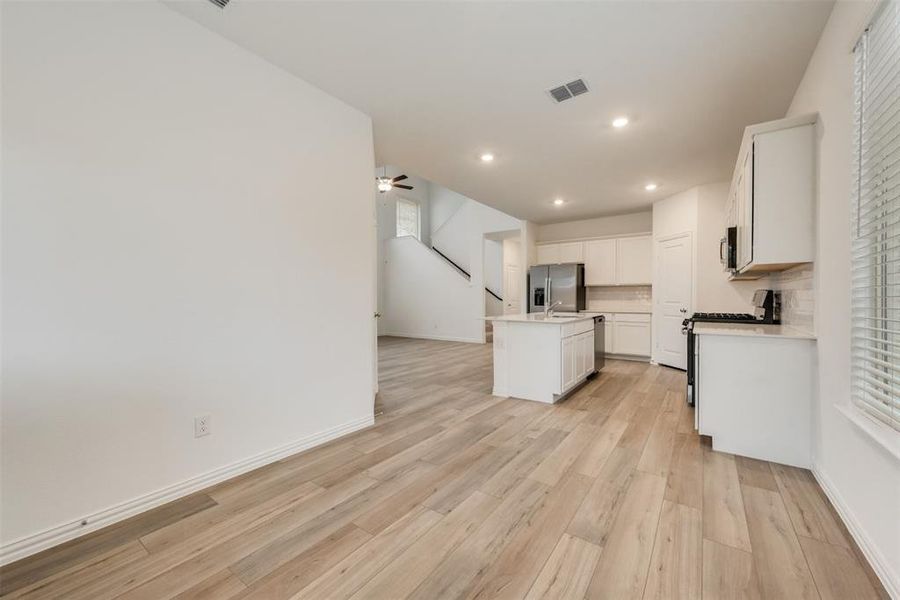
493 266
167 254
671 216
386 215
638 222
444 204
426 297
860 476
714 292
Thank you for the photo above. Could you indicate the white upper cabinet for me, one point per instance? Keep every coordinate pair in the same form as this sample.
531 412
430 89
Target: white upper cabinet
563 252
612 261
600 262
773 195
571 252
548 254
634 261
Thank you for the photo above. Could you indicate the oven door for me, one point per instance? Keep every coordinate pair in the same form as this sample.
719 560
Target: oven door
688 330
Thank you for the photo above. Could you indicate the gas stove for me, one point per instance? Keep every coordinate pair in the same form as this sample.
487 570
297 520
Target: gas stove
718 317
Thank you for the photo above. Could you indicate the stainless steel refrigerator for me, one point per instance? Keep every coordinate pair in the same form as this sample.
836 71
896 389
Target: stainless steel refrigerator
550 283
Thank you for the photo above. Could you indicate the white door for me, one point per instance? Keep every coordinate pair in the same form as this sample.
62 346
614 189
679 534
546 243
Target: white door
674 277
512 304
600 262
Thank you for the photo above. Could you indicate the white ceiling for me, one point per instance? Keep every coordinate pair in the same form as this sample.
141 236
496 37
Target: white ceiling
446 81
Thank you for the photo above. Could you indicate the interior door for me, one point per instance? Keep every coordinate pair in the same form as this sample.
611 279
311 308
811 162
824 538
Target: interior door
675 277
511 290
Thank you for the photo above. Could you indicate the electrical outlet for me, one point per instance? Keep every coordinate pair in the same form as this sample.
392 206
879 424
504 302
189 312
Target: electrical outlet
202 425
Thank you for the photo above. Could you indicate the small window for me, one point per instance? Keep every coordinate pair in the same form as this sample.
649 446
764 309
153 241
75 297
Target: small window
875 270
407 218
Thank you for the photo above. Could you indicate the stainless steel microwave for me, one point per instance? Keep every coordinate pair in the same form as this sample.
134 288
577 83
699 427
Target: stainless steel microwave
728 249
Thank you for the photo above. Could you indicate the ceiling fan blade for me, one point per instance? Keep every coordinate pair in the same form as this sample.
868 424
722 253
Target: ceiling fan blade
403 187
399 178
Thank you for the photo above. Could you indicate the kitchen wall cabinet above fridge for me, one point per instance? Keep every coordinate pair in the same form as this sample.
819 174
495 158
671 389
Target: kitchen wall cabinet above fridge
772 197
609 261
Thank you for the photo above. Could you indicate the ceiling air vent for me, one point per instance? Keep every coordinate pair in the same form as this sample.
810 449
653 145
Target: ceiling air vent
220 3
560 93
569 90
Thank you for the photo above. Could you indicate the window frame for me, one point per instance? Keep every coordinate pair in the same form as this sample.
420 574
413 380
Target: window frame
875 244
400 201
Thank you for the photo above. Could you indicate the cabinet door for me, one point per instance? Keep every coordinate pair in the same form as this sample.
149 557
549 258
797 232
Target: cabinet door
571 252
568 362
586 363
600 262
632 338
609 336
634 261
745 212
548 254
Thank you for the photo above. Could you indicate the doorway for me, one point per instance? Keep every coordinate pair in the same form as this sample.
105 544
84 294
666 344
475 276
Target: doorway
673 291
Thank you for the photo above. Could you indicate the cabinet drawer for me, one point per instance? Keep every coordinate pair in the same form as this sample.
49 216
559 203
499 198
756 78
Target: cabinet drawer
570 329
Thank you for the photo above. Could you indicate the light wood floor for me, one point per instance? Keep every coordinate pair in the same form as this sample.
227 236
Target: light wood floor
455 493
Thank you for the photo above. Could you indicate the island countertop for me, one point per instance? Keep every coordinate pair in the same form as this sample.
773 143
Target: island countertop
539 318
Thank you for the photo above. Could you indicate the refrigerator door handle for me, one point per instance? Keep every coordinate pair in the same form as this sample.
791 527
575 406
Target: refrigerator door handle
549 300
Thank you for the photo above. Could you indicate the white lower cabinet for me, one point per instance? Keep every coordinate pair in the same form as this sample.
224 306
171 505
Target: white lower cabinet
577 358
568 362
627 334
754 396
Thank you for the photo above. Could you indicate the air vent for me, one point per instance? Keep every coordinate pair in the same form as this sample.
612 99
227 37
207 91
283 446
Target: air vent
560 93
577 87
220 3
569 90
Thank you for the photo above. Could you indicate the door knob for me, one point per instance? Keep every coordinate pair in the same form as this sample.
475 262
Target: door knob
683 310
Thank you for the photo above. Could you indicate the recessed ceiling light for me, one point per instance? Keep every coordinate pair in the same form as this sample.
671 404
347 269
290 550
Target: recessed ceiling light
620 122
559 202
650 187
487 157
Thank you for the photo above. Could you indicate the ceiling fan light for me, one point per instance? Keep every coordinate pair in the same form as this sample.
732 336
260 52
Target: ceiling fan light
384 185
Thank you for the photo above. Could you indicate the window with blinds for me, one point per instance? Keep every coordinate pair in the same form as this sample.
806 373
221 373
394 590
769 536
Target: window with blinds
407 218
875 269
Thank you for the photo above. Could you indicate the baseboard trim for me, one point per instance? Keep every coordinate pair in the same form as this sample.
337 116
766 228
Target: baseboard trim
440 338
32 544
880 565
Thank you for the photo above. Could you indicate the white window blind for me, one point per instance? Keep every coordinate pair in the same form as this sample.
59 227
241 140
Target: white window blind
875 269
407 218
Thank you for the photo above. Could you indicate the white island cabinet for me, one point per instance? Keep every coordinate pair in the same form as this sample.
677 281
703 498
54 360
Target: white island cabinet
541 359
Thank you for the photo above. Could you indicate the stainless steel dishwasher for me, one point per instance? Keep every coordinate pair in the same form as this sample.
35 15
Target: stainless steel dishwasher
599 342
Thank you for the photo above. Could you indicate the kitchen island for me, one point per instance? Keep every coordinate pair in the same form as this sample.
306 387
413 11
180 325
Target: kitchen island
541 358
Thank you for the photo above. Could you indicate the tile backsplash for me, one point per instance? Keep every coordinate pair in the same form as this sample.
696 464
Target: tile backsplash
798 300
625 294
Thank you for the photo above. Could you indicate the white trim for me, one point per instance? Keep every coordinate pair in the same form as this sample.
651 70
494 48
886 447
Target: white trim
440 338
881 434
890 581
54 536
612 236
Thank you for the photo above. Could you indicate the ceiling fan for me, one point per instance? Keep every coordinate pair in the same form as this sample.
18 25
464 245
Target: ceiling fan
386 184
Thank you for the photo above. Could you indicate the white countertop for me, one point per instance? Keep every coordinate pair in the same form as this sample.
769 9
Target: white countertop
539 318
751 330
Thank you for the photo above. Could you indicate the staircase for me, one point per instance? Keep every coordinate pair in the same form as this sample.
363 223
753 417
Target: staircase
464 273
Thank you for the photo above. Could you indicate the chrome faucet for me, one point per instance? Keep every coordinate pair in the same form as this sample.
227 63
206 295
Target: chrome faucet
548 310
